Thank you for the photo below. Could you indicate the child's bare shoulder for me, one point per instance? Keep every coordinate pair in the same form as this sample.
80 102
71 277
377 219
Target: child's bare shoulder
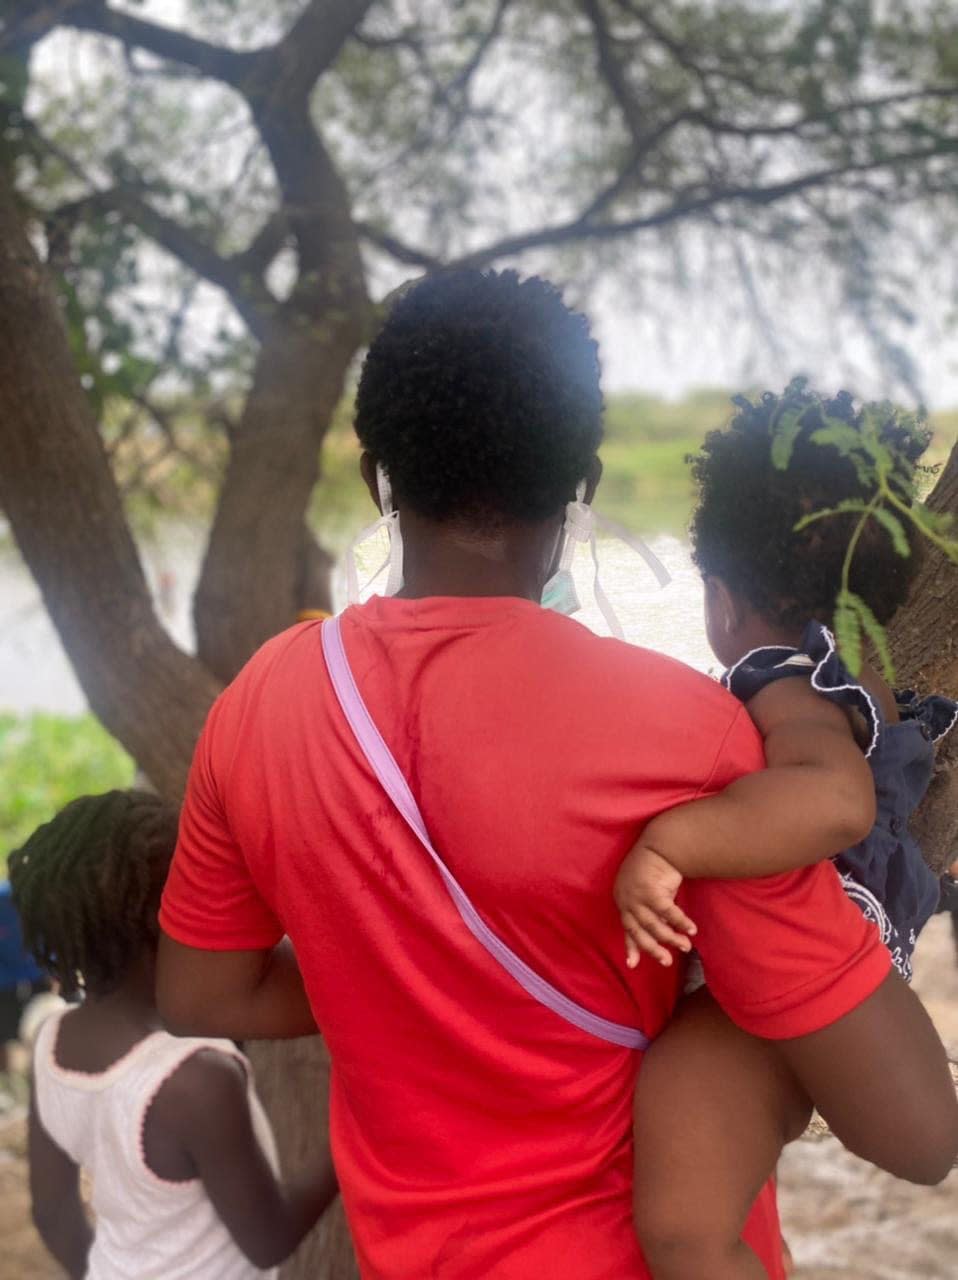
208 1080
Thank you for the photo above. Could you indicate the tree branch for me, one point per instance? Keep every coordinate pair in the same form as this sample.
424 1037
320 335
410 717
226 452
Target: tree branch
265 245
580 228
461 82
22 29
408 254
310 46
245 289
611 70
231 66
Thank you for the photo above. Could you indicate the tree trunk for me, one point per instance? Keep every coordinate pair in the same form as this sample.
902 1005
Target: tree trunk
924 640
62 503
293 1080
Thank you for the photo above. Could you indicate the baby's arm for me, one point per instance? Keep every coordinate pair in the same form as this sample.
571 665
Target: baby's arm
815 798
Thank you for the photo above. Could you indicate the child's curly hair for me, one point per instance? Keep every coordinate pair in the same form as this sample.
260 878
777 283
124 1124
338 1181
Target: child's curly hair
743 527
87 886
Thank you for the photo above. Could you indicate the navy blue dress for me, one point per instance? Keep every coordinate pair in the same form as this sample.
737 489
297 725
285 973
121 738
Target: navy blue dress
885 875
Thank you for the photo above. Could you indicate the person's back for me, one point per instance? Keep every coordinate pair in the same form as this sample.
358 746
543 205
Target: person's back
146 1225
502 1102
484 1050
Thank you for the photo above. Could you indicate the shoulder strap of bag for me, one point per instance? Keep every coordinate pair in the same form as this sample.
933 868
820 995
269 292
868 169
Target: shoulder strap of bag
384 766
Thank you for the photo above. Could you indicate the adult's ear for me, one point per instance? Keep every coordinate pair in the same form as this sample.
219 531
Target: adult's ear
367 469
592 478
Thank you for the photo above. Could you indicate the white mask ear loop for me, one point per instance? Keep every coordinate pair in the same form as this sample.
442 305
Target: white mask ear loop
389 520
577 528
662 575
395 576
580 526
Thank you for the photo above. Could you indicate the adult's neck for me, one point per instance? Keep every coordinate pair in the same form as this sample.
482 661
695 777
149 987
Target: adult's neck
456 559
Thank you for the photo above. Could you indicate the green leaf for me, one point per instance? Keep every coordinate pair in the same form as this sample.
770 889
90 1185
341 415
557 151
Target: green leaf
848 631
937 525
785 433
839 435
875 632
896 530
843 508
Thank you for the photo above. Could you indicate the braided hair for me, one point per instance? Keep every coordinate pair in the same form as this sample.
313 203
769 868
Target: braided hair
87 886
743 526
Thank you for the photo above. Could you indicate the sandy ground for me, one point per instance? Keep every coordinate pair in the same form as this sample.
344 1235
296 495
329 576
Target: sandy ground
842 1217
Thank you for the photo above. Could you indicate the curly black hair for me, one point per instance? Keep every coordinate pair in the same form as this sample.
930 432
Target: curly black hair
87 886
743 527
480 397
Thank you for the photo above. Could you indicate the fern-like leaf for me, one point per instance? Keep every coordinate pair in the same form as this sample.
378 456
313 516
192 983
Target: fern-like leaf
876 634
848 632
895 529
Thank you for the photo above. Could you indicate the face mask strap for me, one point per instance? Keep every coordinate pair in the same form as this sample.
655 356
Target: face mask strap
580 526
389 520
662 575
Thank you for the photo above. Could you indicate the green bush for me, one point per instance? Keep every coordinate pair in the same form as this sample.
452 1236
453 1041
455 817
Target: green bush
47 760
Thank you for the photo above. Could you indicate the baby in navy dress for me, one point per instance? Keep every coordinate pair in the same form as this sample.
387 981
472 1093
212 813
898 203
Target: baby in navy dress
848 763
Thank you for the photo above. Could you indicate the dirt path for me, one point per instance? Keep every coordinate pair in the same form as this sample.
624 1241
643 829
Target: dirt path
842 1217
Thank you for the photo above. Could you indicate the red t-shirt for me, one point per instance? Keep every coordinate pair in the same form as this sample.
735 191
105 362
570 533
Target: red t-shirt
475 1132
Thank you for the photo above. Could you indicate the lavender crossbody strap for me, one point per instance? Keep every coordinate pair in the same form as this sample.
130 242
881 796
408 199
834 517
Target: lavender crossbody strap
384 766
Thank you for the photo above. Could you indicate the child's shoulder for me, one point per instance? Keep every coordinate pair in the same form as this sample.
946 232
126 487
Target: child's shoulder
206 1075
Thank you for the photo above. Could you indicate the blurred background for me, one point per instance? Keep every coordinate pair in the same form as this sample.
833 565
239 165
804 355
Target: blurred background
222 195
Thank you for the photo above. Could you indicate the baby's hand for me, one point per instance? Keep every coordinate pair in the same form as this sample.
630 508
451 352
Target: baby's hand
645 890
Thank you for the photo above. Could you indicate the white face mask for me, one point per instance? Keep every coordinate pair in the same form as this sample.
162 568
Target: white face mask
560 594
389 520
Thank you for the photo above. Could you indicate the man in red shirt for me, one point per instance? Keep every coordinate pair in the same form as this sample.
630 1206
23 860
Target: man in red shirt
476 1131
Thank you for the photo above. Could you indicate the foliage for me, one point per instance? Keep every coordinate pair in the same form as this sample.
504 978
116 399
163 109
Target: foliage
46 761
728 147
895 504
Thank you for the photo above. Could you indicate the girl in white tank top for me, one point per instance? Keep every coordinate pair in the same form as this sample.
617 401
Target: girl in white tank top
146 1225
170 1132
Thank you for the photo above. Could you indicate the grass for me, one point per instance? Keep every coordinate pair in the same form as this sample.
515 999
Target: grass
47 760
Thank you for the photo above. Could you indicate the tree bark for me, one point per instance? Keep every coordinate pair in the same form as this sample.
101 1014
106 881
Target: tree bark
254 571
62 503
924 639
293 1081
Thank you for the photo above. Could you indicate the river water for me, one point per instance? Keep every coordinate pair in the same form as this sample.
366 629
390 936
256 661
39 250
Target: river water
35 674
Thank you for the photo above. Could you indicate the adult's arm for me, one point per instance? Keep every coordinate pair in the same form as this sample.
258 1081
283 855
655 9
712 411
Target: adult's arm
224 967
880 1077
58 1212
791 959
241 995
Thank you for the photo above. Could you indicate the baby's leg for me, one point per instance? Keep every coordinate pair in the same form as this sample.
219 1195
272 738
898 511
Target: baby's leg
713 1109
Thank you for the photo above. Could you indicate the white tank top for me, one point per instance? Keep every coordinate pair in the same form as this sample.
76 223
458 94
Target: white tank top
146 1227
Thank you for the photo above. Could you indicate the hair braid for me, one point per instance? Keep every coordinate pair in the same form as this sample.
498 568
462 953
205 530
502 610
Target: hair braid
87 886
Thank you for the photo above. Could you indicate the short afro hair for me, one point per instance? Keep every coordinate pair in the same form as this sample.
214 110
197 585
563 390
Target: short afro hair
87 887
480 398
743 527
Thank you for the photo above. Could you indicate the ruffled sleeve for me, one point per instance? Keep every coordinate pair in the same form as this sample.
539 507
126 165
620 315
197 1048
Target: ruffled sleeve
936 714
816 659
